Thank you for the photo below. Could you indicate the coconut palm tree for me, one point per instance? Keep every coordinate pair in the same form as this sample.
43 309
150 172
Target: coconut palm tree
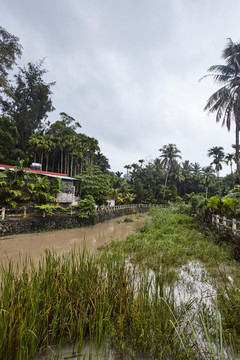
225 102
169 155
207 177
93 147
196 168
196 173
218 157
34 144
229 158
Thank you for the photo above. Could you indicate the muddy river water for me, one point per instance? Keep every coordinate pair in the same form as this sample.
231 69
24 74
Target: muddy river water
90 237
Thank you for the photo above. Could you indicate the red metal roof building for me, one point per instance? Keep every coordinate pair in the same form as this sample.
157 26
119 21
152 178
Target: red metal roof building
39 172
68 192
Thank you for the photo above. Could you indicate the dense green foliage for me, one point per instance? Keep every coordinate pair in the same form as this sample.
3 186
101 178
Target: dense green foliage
30 104
18 188
172 237
10 50
87 208
94 182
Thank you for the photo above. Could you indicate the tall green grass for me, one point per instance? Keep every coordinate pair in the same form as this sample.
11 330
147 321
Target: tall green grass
174 238
121 298
73 297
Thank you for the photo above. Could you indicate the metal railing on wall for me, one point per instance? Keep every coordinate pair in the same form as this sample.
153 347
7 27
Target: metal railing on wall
222 224
26 212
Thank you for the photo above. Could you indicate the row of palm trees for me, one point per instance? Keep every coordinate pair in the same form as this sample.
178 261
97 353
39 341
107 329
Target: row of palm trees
219 157
170 154
167 171
69 154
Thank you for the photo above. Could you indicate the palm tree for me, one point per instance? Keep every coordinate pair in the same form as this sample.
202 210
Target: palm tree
225 102
93 147
207 177
229 158
218 157
186 172
169 155
196 172
118 174
196 168
128 167
34 144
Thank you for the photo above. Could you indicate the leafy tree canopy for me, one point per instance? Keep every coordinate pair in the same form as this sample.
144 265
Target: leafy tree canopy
8 139
94 182
10 50
31 101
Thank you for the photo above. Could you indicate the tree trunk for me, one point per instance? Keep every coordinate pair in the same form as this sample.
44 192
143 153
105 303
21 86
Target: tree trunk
206 192
237 147
165 185
53 160
47 163
71 170
41 160
237 118
61 161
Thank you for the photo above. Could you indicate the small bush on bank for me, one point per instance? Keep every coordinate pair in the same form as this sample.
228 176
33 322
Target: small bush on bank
48 209
87 207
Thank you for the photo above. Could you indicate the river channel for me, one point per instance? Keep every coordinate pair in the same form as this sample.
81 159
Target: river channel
90 237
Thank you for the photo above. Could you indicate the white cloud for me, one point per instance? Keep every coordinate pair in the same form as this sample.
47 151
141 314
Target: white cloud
128 71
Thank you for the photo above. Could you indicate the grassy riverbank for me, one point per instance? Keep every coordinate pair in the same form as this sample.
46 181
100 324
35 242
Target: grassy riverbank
128 297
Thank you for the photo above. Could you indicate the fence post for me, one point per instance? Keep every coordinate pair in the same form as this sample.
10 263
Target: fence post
24 212
234 226
3 213
224 221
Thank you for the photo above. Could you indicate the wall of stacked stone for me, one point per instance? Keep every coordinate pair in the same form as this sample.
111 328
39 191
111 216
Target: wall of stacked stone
50 223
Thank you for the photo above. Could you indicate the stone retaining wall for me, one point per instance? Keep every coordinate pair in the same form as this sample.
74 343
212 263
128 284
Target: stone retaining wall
50 223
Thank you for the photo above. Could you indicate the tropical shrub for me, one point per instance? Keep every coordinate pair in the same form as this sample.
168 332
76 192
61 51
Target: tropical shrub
49 209
226 206
231 207
215 203
87 208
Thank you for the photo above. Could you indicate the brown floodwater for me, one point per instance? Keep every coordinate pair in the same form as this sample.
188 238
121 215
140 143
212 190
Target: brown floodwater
90 237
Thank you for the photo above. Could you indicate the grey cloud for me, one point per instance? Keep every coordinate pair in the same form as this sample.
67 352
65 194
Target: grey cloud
129 70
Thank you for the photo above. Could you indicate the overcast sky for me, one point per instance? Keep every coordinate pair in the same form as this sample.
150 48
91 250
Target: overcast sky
129 70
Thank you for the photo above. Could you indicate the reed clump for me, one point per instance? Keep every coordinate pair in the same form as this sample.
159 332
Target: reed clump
72 297
122 298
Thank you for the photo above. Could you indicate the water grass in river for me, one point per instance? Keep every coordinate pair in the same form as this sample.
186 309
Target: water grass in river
123 300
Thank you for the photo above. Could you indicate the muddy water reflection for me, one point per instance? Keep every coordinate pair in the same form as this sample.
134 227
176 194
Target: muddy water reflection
91 237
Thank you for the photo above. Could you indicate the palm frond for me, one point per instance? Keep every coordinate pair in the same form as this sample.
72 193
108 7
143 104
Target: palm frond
222 69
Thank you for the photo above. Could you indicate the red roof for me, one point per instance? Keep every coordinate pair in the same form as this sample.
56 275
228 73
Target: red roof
34 171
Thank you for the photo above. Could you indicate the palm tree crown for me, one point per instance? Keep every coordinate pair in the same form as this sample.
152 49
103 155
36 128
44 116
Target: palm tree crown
225 102
169 155
229 158
218 157
207 176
